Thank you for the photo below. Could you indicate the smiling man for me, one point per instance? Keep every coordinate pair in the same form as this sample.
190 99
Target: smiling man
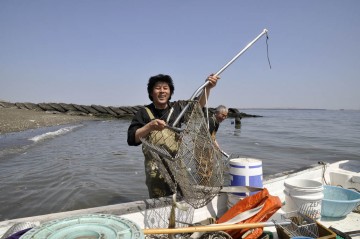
155 117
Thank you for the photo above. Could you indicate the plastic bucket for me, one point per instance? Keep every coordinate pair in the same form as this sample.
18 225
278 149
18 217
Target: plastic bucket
245 172
303 195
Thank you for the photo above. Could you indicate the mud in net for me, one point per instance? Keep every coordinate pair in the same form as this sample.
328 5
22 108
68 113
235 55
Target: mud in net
187 157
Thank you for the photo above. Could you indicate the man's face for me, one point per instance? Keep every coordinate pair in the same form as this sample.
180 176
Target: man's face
161 94
221 116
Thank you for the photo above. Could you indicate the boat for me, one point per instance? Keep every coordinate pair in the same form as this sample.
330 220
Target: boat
154 213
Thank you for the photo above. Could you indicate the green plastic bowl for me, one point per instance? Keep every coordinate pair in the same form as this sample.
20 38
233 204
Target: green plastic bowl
338 201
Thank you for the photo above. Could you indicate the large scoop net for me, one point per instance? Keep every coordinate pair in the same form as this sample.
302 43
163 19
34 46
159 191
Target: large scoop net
188 159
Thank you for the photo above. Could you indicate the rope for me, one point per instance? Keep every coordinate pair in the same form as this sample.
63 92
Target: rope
323 172
207 110
267 49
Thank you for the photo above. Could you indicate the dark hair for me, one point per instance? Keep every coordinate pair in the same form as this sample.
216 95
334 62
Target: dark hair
160 78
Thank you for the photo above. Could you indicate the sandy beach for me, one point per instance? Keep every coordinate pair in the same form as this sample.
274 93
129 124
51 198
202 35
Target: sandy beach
15 120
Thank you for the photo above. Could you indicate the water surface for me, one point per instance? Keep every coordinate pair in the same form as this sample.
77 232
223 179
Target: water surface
90 164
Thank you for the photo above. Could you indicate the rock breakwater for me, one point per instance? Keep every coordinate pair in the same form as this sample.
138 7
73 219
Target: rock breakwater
96 110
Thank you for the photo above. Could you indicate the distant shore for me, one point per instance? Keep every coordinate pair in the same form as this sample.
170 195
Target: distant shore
15 117
16 120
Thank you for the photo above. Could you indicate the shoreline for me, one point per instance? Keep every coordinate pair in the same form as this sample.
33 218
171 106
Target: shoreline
16 117
16 120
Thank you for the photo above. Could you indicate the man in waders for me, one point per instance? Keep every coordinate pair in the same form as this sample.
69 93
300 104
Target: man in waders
154 117
221 113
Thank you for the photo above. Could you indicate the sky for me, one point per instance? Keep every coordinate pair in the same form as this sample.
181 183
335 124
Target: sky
104 51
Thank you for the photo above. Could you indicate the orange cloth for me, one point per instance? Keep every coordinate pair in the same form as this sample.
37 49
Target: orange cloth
271 205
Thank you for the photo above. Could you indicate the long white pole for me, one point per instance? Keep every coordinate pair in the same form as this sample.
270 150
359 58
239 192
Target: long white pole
230 62
196 93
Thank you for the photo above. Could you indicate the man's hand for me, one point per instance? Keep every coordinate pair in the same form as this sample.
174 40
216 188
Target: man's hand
212 80
157 124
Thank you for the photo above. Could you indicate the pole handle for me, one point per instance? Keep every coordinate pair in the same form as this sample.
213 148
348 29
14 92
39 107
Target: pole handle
210 228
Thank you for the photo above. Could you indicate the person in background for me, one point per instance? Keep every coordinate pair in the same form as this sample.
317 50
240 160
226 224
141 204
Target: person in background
220 114
238 121
155 117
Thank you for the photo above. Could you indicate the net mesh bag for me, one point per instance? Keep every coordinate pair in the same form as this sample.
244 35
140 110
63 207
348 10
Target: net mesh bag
188 159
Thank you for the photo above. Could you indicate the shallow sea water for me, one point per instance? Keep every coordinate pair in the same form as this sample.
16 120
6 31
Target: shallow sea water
72 167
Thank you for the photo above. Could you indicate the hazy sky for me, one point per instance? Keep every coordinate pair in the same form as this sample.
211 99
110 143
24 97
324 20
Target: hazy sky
104 51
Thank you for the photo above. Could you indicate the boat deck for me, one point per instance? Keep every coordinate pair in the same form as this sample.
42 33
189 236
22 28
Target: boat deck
148 213
351 222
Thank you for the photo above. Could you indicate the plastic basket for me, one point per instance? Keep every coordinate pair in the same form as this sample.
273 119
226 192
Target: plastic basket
338 202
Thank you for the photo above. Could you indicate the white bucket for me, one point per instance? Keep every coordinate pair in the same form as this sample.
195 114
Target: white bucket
245 172
303 195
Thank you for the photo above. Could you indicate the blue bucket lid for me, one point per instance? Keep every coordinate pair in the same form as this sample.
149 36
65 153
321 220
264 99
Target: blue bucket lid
90 226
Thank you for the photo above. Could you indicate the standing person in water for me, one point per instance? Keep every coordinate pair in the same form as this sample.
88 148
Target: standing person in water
155 117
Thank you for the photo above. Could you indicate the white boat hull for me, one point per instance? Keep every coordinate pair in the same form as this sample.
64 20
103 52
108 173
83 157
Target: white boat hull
153 213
